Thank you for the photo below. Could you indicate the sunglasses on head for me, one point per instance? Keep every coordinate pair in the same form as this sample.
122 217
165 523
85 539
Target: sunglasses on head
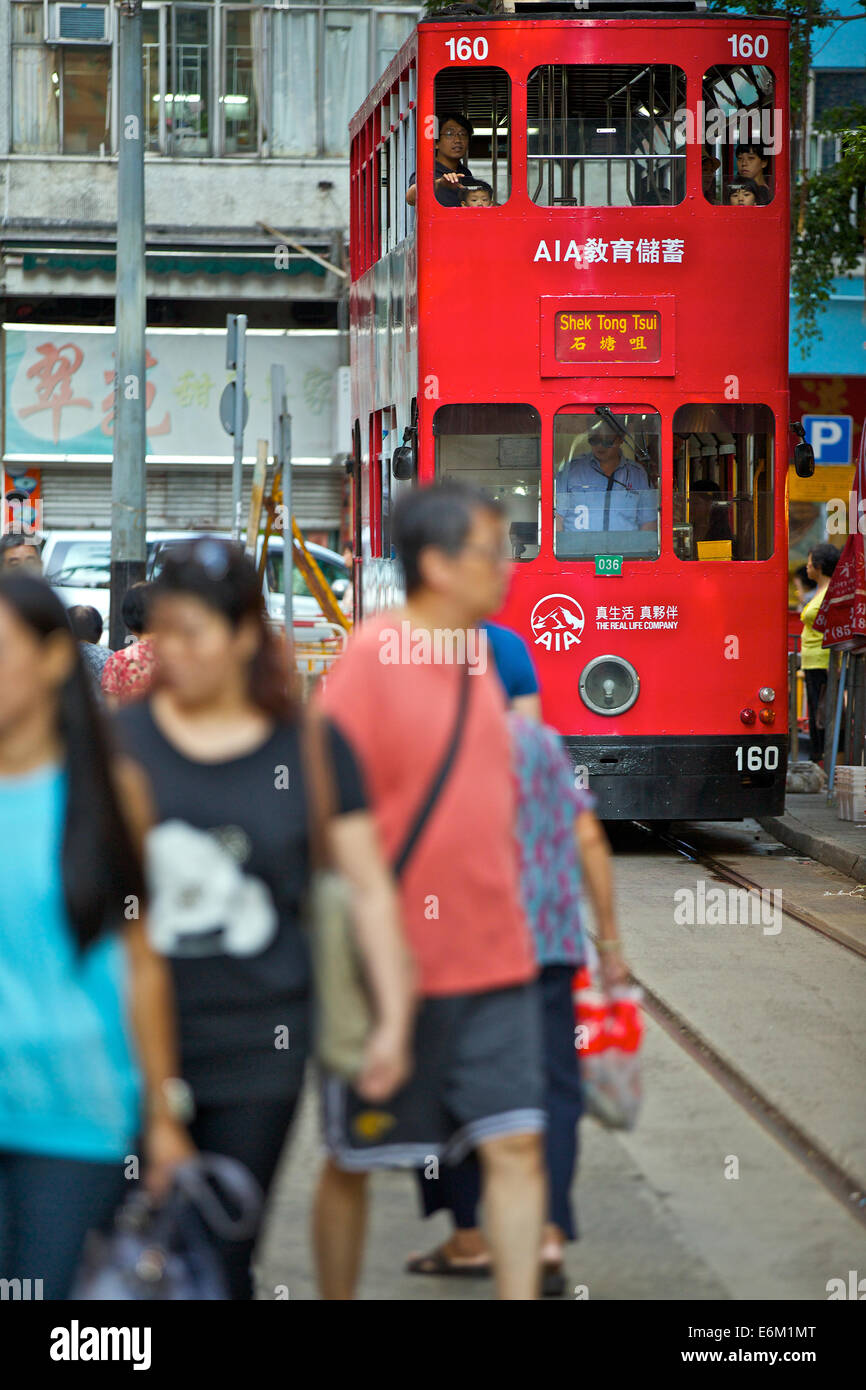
210 553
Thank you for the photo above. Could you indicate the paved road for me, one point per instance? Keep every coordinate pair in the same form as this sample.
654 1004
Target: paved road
660 1213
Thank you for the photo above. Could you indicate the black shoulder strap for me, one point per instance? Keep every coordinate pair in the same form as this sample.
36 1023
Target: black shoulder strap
423 814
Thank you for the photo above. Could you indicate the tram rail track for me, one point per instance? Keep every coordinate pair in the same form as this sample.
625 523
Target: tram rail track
740 880
840 1183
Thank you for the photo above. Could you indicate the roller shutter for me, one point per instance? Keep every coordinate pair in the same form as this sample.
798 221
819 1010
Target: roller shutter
183 498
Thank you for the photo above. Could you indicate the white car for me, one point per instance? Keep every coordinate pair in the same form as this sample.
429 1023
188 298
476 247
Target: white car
304 606
78 565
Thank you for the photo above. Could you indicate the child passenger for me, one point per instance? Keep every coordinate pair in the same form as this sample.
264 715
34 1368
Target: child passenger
477 195
746 193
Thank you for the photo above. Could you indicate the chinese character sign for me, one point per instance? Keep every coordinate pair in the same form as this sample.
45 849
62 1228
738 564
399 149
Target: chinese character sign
60 393
614 335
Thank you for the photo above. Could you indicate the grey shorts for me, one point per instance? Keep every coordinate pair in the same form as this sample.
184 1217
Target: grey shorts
477 1075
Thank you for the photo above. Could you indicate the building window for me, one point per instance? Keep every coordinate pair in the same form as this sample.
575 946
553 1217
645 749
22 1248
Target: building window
289 77
61 96
224 79
243 63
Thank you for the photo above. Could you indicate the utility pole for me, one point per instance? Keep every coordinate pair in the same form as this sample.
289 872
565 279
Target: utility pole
237 408
128 486
281 431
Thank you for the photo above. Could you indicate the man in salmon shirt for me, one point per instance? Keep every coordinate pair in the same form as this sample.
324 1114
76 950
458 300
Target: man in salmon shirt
395 696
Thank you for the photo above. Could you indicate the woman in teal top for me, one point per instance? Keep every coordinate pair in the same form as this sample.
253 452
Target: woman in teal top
87 1053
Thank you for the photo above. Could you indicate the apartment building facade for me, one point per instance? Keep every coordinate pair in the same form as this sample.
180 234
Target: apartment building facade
246 108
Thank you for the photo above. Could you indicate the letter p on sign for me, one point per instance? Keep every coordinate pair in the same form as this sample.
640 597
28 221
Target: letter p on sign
830 437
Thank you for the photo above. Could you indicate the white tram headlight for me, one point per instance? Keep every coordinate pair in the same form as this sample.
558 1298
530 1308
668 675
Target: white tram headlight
767 694
609 685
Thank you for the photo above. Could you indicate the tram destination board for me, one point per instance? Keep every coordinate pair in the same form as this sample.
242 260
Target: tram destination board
607 335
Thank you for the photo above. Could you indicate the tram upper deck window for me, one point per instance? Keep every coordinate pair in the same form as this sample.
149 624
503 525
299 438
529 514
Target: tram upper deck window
741 132
723 482
496 448
606 483
606 135
473 137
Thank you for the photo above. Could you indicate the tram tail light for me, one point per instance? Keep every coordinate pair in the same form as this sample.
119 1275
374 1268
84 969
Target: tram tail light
747 716
767 694
767 716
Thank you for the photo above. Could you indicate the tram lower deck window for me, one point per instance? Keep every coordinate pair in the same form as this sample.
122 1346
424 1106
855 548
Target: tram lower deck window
606 483
496 448
723 482
606 135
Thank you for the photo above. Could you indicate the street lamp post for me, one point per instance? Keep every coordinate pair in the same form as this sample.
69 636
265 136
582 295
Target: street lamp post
128 486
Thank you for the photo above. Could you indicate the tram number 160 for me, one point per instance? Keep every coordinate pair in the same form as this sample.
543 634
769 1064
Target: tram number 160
757 758
464 49
743 45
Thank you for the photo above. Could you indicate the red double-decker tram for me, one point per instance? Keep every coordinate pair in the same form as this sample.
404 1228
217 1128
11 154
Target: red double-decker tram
591 325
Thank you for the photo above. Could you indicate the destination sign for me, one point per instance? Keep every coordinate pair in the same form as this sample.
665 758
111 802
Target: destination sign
607 335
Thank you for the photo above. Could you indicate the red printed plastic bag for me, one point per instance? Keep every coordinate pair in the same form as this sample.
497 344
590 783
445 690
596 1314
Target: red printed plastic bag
608 1036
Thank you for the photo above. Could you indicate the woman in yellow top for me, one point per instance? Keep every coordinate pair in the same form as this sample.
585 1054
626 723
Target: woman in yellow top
814 658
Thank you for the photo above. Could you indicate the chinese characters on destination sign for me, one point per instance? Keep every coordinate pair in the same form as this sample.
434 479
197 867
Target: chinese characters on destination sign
608 335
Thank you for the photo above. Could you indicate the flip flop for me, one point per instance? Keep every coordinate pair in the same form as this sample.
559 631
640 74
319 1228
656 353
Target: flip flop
437 1262
552 1280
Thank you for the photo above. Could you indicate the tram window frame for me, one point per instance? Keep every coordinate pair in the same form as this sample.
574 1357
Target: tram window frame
394 132
524 531
728 126
382 427
619 541
453 94
705 444
558 76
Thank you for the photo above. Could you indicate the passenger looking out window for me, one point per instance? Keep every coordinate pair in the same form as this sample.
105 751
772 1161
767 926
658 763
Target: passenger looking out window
745 193
477 195
709 165
450 172
754 163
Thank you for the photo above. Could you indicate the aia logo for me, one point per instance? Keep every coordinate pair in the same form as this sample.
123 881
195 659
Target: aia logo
557 622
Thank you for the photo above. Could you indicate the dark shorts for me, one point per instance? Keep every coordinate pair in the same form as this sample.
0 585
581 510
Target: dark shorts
478 1075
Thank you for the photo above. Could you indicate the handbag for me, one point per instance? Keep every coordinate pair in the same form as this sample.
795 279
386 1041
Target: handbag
344 1010
162 1253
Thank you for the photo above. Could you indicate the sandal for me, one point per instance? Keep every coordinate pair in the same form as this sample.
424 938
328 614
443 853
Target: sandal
437 1262
552 1280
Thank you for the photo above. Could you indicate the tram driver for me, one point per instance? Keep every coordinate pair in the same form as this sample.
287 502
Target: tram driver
450 172
602 491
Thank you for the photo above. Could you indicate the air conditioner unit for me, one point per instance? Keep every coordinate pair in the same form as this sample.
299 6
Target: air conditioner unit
81 24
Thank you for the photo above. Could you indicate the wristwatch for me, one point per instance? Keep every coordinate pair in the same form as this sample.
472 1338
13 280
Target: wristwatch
177 1097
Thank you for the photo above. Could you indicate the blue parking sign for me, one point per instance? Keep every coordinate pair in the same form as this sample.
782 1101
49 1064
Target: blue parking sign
830 437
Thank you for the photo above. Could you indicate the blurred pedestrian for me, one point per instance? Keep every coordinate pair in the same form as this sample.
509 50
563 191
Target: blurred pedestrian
347 602
814 657
477 1043
87 627
77 976
558 834
804 589
128 673
20 551
515 668
228 860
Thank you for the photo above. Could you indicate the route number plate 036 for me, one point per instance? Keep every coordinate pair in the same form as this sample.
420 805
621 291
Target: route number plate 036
609 565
